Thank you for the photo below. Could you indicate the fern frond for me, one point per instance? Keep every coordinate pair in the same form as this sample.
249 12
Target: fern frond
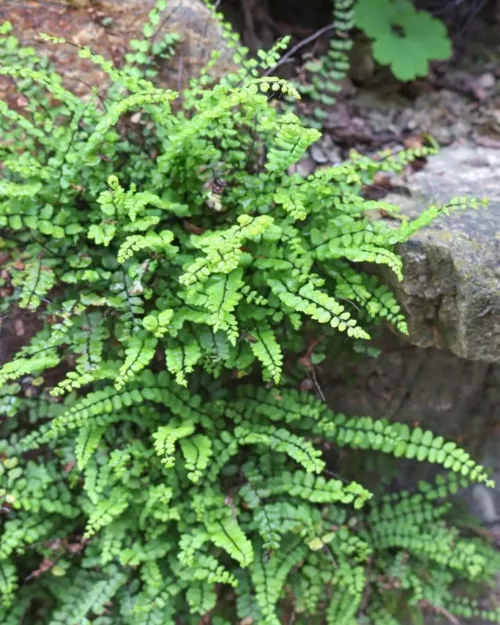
269 578
151 240
165 439
267 349
35 281
87 442
197 452
319 306
226 534
106 511
283 441
182 355
139 352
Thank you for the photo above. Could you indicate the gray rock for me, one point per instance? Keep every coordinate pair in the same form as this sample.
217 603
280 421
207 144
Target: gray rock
451 289
456 398
319 155
325 151
447 377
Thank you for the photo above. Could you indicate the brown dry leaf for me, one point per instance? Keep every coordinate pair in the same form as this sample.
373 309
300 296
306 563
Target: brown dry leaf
413 143
193 228
45 566
382 179
379 188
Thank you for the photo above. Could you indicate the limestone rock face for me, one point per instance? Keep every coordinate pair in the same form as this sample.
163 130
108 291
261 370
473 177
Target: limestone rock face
451 288
107 26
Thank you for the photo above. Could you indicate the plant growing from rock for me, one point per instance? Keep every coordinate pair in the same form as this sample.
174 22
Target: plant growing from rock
158 464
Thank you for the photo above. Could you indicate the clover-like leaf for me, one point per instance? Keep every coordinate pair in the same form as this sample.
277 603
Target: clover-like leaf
403 38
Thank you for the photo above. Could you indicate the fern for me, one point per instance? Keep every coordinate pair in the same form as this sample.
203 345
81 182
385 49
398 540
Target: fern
139 353
269 578
267 350
36 281
325 73
106 511
157 463
86 443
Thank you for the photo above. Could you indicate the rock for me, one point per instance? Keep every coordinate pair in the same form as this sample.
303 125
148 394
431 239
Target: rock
456 398
434 389
325 151
319 155
304 167
447 376
451 288
486 81
107 27
362 64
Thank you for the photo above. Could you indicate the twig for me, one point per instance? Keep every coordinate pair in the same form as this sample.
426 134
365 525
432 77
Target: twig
336 475
327 549
91 87
162 24
316 384
446 614
293 614
298 46
469 18
25 5
440 610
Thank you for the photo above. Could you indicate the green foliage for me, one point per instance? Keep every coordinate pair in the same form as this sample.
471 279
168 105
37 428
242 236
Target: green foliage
157 464
325 73
403 38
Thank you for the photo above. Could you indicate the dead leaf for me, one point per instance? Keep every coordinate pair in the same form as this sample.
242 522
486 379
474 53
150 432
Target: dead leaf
413 142
193 228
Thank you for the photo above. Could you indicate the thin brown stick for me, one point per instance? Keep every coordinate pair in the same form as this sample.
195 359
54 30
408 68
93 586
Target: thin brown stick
298 46
316 384
165 20
440 610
